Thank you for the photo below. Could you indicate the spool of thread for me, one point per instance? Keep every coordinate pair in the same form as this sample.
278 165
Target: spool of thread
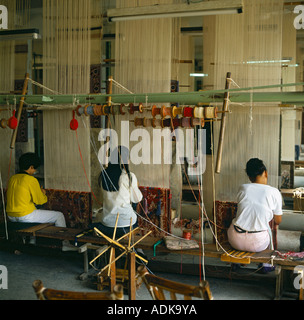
210 112
166 123
177 123
106 110
188 112
176 111
139 122
148 122
79 110
3 123
186 122
165 111
198 112
138 108
187 234
156 123
89 110
97 110
155 111
197 122
121 109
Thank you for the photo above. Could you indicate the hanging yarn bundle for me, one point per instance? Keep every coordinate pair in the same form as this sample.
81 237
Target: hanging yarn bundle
74 123
13 122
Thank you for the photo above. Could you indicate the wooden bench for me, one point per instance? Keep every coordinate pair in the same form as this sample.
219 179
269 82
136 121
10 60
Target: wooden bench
210 250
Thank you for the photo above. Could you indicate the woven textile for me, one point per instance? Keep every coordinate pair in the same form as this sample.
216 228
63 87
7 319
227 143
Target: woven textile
76 206
155 207
225 212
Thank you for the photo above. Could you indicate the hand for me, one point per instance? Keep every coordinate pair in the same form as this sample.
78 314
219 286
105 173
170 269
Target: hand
42 190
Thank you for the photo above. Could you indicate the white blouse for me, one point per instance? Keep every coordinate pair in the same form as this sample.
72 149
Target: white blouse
257 204
121 202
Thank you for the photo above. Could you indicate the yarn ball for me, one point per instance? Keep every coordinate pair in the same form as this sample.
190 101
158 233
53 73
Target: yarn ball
74 124
13 122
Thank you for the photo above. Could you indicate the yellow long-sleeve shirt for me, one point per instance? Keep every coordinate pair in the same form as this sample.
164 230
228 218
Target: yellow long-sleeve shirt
23 193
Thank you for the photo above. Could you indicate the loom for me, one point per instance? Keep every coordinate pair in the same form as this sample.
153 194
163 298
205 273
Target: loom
136 70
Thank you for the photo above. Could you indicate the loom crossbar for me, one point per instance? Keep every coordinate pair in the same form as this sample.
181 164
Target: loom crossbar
188 98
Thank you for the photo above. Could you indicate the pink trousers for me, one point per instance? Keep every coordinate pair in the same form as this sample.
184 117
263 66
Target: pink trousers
252 242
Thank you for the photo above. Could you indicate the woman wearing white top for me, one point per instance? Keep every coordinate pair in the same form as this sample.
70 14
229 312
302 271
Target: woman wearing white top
258 204
120 192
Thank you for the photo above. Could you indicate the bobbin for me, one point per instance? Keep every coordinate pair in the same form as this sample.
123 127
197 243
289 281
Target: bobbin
186 122
85 109
188 112
143 122
121 107
3 123
155 111
89 110
138 108
176 111
138 122
156 122
166 123
197 122
198 112
78 110
165 111
210 112
97 110
106 110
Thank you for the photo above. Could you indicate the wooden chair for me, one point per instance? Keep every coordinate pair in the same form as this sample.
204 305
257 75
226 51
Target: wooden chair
158 286
43 293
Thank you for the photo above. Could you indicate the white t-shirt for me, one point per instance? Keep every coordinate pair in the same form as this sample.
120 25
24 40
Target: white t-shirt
120 202
257 204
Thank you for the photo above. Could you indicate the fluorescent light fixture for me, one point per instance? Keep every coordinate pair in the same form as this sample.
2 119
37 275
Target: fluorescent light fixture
176 10
198 75
284 60
22 34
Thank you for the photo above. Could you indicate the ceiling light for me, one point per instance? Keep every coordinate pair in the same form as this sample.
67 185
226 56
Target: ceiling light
176 10
198 75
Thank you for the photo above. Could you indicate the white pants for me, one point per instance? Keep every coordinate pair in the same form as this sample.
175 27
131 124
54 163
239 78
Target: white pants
252 242
42 216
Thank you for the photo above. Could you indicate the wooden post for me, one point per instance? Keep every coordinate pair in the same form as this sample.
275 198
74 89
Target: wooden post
132 273
24 89
223 126
109 102
110 90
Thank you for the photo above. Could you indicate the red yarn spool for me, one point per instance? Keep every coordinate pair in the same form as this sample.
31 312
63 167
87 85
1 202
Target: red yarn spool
187 234
188 112
13 122
74 123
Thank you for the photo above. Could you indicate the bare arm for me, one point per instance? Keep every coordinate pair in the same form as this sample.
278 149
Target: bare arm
277 219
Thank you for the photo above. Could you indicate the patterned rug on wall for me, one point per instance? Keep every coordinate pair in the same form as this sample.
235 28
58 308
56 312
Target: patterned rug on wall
155 209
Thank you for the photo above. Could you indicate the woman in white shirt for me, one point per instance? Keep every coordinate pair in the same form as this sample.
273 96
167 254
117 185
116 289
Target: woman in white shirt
120 192
258 204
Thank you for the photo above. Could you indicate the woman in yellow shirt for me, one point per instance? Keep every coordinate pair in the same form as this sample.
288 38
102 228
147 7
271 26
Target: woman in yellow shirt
24 193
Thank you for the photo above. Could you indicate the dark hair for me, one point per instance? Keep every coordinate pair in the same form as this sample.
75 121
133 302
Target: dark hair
109 178
255 167
27 160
